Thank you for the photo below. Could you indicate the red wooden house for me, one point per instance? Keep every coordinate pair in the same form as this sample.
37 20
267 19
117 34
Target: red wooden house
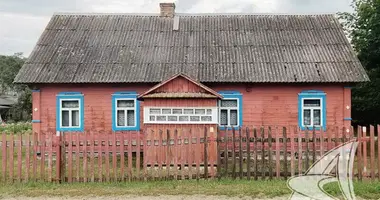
128 72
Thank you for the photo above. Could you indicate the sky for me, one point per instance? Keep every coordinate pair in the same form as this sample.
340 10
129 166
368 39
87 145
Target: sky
23 21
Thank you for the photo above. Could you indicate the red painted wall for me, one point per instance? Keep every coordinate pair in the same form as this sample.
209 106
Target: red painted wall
278 104
262 104
97 103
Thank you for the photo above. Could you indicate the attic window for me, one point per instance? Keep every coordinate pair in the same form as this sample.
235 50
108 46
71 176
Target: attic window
199 115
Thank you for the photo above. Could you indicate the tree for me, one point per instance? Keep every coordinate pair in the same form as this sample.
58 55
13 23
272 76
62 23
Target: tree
9 67
363 27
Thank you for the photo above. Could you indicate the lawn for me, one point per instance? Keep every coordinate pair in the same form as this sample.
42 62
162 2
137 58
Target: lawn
257 189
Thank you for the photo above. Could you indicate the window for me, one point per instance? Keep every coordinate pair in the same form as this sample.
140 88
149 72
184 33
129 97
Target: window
186 115
125 111
312 110
70 111
230 109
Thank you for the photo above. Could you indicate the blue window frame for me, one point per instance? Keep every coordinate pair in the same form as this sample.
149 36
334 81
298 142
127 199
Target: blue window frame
230 109
312 110
70 111
125 112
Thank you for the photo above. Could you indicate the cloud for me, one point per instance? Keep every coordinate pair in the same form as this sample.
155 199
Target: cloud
22 21
20 32
228 6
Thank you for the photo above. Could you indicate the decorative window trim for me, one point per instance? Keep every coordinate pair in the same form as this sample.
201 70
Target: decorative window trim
70 96
232 95
312 94
213 115
125 96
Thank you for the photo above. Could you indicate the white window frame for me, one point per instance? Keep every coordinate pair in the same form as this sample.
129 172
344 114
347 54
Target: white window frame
61 109
214 115
320 108
228 112
125 112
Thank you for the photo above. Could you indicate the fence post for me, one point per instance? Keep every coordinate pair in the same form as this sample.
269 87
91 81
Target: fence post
59 157
19 158
364 137
226 151
11 157
50 156
262 153
307 149
240 155
57 142
292 150
168 154
4 156
378 151
63 158
285 153
85 163
277 143
77 158
27 162
138 155
248 154
372 149
205 140
314 146
218 154
359 130
255 152
233 154
270 153
70 157
299 152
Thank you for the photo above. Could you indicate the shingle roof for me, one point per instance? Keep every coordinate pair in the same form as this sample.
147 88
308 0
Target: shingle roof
124 48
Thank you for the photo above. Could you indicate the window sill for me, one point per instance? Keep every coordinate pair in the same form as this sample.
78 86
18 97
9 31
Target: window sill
223 128
303 128
70 129
125 129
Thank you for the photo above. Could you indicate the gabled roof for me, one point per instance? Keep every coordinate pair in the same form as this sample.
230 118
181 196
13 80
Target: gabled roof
201 90
122 48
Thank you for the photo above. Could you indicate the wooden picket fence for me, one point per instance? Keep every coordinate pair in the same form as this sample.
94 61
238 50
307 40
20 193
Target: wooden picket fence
203 153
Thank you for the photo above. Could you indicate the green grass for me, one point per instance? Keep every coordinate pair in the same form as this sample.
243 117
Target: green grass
153 188
257 189
365 189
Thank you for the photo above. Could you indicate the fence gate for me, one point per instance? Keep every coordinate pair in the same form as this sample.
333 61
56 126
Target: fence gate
181 152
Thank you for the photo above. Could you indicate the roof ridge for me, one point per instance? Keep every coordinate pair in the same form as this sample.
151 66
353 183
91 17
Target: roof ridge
194 14
252 14
105 14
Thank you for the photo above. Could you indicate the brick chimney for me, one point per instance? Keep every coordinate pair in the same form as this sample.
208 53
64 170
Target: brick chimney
167 9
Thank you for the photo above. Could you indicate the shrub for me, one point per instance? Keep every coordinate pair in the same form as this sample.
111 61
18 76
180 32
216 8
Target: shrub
16 128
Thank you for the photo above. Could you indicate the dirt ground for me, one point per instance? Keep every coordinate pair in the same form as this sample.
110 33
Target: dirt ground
163 197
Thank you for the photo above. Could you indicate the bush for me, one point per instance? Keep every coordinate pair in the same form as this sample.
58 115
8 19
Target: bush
16 128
